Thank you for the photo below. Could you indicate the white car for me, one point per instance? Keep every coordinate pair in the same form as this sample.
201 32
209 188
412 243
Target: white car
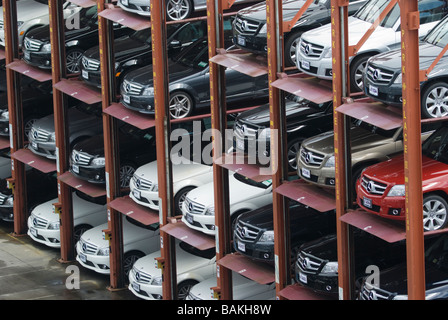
32 14
175 9
186 176
243 289
138 240
192 266
43 222
198 209
313 51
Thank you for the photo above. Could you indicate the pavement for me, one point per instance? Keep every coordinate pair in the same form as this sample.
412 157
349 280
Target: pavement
31 271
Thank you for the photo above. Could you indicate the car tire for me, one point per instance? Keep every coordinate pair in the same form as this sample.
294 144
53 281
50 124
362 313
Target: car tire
129 259
179 198
291 153
79 230
290 47
357 73
181 105
178 9
126 172
73 60
183 289
435 212
435 100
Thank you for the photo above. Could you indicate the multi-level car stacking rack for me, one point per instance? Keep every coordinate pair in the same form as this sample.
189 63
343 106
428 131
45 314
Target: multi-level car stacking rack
345 105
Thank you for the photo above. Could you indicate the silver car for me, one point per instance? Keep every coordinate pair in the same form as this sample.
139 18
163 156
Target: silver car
175 9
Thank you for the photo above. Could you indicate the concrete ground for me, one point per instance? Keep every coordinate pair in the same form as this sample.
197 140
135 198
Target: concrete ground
31 271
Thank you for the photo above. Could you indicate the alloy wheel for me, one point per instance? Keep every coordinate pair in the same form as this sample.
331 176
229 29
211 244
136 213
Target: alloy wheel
73 59
434 214
126 173
178 9
180 105
435 102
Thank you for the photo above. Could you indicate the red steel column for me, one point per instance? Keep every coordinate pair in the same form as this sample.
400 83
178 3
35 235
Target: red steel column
163 130
412 149
219 123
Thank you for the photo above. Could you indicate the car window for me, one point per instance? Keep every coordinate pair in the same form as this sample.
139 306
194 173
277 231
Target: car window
192 32
435 147
373 9
438 36
437 254
195 56
374 129
92 109
88 15
432 10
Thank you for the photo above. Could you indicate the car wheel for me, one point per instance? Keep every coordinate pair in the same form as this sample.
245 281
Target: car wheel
73 59
435 210
293 149
435 100
180 198
126 173
183 289
178 9
79 230
181 105
129 259
357 70
290 49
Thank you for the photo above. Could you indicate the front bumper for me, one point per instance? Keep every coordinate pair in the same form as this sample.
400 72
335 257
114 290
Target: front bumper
48 237
91 174
92 78
144 291
4 127
138 103
37 59
44 149
322 176
388 94
255 250
7 213
141 10
93 262
252 42
321 68
321 283
200 222
146 198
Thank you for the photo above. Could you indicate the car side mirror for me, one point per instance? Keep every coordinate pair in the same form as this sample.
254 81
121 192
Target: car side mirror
175 45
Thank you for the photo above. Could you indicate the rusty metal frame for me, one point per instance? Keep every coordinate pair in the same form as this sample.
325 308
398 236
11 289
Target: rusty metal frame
288 25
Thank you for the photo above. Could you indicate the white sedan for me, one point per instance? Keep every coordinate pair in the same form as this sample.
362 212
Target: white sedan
198 209
192 266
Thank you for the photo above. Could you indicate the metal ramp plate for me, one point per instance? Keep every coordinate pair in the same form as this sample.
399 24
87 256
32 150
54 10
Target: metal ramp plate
310 195
195 238
25 69
91 189
298 292
27 157
245 62
79 90
130 208
126 19
262 273
238 163
141 121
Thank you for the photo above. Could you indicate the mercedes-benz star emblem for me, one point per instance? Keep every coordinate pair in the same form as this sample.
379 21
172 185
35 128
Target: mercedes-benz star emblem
190 207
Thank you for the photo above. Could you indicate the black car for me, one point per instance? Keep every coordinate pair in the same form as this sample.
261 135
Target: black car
189 85
40 187
383 77
251 133
250 29
135 50
37 47
37 102
317 262
393 282
253 231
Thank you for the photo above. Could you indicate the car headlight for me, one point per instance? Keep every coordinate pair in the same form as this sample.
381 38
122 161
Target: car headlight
330 267
157 281
20 23
330 162
267 236
155 188
264 29
265 134
149 91
103 251
4 114
46 47
397 191
400 297
53 137
100 161
9 201
327 53
399 79
210 211
54 225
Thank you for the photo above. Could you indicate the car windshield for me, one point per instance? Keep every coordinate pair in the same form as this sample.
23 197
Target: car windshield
145 34
206 254
374 129
153 226
196 56
92 109
437 254
322 2
87 15
372 10
438 36
136 132
42 1
304 102
435 147
264 184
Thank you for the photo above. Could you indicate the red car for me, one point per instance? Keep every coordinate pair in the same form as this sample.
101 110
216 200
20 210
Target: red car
380 189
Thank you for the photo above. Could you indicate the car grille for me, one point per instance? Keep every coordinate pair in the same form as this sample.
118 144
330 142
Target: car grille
370 293
88 247
244 131
194 207
379 76
132 88
38 222
311 158
32 45
246 26
309 263
90 64
1 25
81 158
141 277
310 50
246 232
142 184
40 135
3 198
372 186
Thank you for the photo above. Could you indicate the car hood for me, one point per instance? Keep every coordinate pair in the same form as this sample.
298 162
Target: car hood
392 171
29 10
238 191
42 33
185 262
181 171
361 140
93 145
124 47
81 208
95 236
392 59
290 8
323 248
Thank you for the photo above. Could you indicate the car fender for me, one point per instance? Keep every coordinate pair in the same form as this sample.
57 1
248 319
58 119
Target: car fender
370 158
184 87
72 43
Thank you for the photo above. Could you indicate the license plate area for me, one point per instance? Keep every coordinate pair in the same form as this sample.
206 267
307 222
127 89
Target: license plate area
189 218
306 173
373 90
85 74
305 64
126 98
367 202
82 257
75 168
241 40
136 194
